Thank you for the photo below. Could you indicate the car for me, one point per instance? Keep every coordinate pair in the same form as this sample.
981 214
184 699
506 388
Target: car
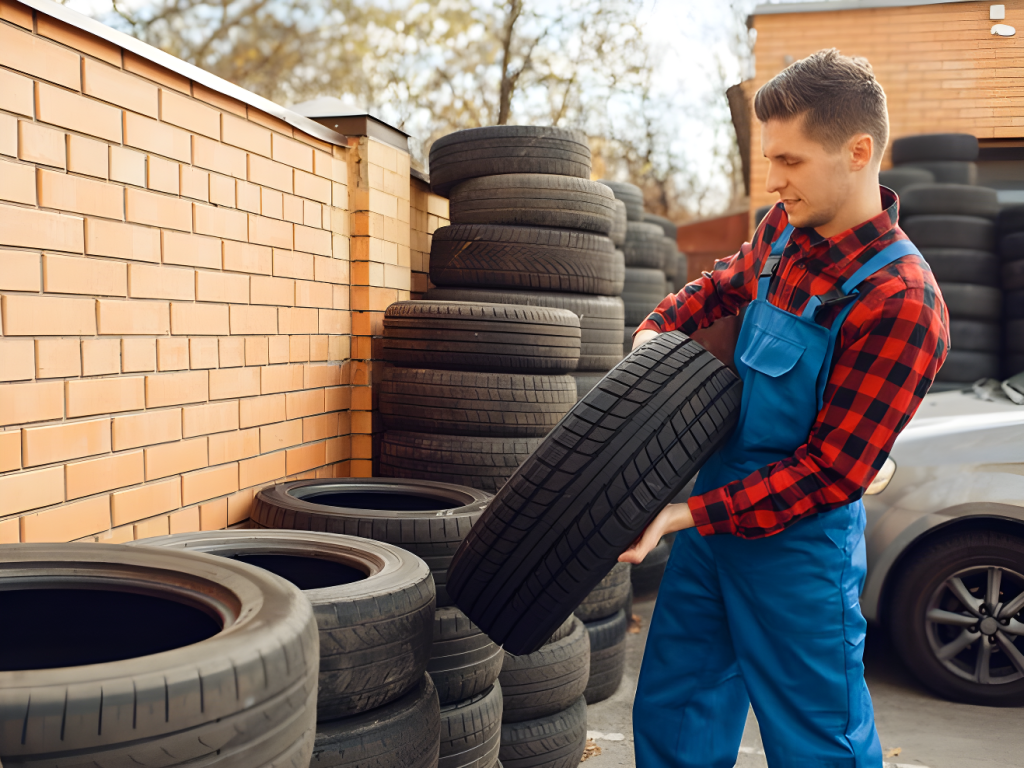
945 545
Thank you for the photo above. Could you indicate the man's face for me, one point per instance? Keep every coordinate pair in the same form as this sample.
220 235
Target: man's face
811 181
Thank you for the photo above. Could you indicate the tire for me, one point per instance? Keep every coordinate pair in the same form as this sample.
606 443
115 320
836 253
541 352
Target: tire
644 290
974 336
618 230
898 179
964 366
1011 247
471 731
682 272
607 656
485 463
563 630
1013 305
760 213
375 630
214 661
608 597
406 513
949 171
463 660
631 195
1011 219
481 337
1013 364
467 403
402 734
600 317
643 246
507 149
958 265
934 146
959 199
646 577
554 741
920 585
668 260
1013 276
534 200
670 229
586 381
1015 336
548 680
658 415
970 232
525 258
972 302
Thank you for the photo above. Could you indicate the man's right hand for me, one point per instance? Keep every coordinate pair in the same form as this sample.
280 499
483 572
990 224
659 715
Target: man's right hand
643 337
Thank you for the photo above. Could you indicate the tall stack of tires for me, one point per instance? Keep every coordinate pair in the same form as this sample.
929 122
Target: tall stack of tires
1010 231
605 613
529 227
675 262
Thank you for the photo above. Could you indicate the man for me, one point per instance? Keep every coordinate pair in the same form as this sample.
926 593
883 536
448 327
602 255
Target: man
843 330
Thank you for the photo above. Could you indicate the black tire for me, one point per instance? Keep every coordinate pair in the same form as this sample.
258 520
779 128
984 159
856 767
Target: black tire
373 603
659 414
463 660
429 519
643 291
471 336
1011 219
970 232
964 366
960 199
670 229
1013 276
1015 336
587 380
402 734
214 661
505 149
526 258
534 200
643 246
898 179
562 631
631 195
972 302
920 586
974 336
669 258
1013 305
600 317
608 597
607 656
959 265
548 680
618 230
646 577
553 741
682 272
1011 247
484 463
934 146
1013 364
468 403
949 171
760 213
471 731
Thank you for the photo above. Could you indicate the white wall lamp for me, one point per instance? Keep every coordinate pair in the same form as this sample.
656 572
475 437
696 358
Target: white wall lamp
998 13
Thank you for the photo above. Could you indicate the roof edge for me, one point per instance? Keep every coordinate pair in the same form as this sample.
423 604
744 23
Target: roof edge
768 9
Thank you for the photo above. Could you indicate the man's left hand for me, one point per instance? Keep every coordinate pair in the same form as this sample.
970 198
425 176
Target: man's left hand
674 517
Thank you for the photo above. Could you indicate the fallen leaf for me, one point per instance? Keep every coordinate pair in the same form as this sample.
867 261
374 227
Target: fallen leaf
892 752
591 750
635 623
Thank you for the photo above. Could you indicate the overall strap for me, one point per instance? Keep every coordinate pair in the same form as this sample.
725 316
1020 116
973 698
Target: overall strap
778 248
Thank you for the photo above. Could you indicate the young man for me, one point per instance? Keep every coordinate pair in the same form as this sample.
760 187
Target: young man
842 333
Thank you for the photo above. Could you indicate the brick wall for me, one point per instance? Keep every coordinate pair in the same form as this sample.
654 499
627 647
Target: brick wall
941 67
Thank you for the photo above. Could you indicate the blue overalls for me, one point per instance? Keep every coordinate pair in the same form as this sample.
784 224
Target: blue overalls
774 622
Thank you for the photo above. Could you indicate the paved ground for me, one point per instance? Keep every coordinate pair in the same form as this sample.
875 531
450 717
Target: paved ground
927 730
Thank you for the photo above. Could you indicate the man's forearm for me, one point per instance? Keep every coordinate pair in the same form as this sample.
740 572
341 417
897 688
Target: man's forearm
642 337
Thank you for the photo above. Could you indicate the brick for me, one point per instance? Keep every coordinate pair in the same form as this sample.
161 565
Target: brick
221 222
234 382
280 378
73 274
323 164
48 316
320 427
152 528
26 228
337 399
305 403
19 271
69 110
273 291
10 450
280 348
17 360
262 469
202 353
116 87
94 396
219 286
310 294
155 72
156 137
87 156
162 175
146 429
157 210
189 114
145 501
172 354
148 282
234 446
312 214
232 353
319 347
292 264
128 167
117 535
121 241
293 209
297 320
31 490
264 231
41 145
58 358
248 196
322 376
101 357
306 457
251 321
242 257
73 193
271 203
314 188
284 434
199 319
16 93
256 351
67 523
298 349
256 411
184 521
218 157
195 183
291 152
177 389
175 458
208 419
311 240
190 250
132 318
213 516
109 473
61 442
137 355
210 483
39 58
222 189
268 173
241 133
78 39
8 135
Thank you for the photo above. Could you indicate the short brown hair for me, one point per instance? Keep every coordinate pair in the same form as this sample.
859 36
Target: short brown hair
838 95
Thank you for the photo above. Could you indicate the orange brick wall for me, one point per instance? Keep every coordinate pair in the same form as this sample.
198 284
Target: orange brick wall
175 302
941 67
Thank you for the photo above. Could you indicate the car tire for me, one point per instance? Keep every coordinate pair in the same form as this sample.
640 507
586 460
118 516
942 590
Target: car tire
137 656
1013 276
644 290
506 149
471 731
463 660
1011 247
898 179
975 336
960 199
920 586
667 227
587 380
934 146
960 265
962 366
428 518
631 195
553 741
935 231
1015 336
644 246
949 171
1011 220
548 680
618 230
607 656
1013 305
608 597
646 576
402 734
1013 364
972 302
658 415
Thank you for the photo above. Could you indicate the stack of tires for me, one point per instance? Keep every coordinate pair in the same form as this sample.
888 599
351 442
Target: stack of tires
605 613
1011 251
945 158
529 227
675 262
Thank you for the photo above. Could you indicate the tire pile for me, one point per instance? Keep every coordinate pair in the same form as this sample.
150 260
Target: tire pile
605 613
675 266
1010 229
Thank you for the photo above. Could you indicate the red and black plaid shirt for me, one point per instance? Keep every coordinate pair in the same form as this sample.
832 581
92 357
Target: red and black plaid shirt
888 351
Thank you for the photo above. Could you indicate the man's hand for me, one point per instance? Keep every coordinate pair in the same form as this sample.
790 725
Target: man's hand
674 517
643 337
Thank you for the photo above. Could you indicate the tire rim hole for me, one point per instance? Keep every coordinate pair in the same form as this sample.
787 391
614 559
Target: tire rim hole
305 572
384 501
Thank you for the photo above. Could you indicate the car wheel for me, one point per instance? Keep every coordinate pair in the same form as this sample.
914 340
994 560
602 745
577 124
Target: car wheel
957 617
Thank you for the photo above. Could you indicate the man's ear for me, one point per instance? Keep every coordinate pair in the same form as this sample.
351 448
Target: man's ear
861 148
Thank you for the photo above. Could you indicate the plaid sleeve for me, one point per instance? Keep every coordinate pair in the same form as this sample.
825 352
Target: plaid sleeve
886 366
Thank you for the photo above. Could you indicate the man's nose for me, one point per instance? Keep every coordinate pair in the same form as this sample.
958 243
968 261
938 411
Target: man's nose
776 179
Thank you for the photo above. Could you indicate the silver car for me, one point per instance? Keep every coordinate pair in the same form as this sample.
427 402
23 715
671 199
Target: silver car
945 545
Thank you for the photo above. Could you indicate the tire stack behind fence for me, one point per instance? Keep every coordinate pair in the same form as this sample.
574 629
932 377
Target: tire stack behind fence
1010 231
